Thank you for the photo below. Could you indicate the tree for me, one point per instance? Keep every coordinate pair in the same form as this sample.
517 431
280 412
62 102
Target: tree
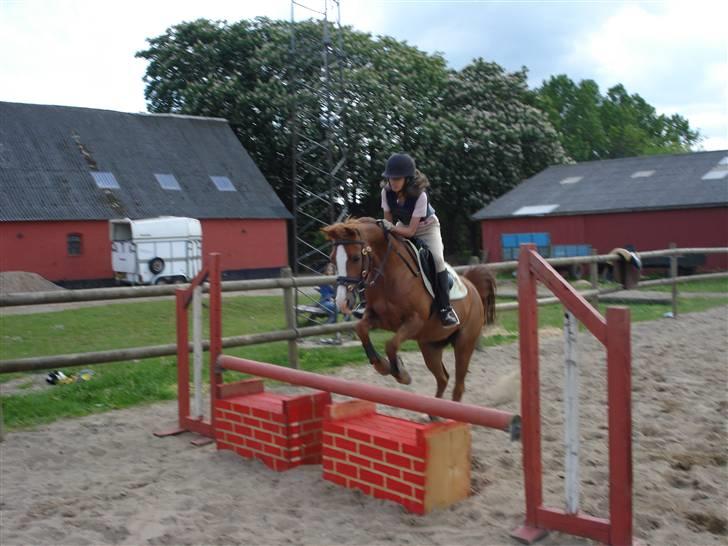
476 132
592 126
488 137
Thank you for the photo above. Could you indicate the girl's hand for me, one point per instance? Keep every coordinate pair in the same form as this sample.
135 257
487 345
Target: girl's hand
386 224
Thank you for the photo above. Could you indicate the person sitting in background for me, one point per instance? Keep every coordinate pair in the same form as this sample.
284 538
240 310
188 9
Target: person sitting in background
327 296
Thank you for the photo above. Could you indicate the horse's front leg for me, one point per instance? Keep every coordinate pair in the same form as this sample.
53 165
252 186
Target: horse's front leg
362 330
409 330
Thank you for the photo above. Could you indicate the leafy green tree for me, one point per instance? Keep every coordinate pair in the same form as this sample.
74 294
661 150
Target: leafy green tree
488 136
476 132
592 126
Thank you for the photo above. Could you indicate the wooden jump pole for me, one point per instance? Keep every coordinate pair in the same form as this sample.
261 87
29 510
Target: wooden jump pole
466 413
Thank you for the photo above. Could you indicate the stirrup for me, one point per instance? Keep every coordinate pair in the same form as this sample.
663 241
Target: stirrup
449 317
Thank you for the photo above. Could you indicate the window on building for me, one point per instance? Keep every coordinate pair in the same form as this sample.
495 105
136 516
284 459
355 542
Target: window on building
75 244
222 183
571 180
642 174
105 180
535 210
168 182
511 242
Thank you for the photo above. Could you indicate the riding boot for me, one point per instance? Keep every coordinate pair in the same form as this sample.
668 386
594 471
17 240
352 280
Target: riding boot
448 316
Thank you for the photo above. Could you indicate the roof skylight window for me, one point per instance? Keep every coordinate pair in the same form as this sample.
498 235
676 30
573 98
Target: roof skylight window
168 182
535 210
571 179
715 174
222 183
642 174
719 171
105 180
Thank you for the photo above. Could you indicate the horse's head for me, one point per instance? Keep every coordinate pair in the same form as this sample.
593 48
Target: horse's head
354 242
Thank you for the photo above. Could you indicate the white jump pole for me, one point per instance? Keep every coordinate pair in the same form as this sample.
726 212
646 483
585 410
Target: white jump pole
197 410
571 413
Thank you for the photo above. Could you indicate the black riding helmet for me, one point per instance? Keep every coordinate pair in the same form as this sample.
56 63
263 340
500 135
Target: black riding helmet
399 166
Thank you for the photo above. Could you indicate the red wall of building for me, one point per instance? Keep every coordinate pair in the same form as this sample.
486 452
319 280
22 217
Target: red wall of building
41 247
644 230
246 244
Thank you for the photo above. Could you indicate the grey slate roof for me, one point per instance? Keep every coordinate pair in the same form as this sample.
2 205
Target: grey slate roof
608 186
47 154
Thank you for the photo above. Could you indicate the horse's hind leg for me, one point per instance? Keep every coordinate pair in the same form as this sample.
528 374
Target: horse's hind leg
433 358
463 348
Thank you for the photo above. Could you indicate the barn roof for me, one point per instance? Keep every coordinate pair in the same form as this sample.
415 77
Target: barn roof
51 156
657 182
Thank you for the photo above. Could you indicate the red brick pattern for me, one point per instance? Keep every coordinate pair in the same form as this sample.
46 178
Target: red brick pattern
382 456
282 431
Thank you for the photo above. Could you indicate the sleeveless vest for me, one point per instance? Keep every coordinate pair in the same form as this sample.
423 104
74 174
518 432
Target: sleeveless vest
403 212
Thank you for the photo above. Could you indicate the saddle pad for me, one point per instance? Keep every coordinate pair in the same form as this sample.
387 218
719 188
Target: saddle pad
458 290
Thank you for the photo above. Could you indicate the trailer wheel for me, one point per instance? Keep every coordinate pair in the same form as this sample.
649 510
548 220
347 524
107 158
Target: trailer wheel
156 265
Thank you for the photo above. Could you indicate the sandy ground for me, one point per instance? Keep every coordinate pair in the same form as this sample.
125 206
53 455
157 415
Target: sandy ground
105 479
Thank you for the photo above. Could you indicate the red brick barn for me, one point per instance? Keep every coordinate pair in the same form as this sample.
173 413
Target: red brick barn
65 172
642 203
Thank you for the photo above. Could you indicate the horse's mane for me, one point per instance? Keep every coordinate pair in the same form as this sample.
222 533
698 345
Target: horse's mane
362 220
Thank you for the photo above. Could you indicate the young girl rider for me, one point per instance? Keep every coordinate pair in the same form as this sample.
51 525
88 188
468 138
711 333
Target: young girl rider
406 204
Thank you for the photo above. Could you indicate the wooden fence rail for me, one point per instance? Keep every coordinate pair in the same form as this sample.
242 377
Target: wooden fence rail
291 333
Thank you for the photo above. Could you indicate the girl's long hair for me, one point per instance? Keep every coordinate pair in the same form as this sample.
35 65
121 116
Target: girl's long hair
413 185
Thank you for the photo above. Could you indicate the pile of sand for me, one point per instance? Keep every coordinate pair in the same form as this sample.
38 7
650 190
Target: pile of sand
24 281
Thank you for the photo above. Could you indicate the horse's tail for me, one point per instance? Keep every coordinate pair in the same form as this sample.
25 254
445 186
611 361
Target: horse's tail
484 282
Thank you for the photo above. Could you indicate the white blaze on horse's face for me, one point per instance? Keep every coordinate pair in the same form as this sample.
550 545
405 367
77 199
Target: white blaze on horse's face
341 259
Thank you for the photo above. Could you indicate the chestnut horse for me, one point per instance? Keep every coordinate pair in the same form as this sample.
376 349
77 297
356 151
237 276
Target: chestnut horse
375 261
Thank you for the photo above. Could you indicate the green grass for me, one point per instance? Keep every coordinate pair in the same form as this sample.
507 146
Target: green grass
126 384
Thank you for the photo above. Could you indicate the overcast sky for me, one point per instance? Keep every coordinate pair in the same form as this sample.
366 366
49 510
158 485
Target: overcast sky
673 54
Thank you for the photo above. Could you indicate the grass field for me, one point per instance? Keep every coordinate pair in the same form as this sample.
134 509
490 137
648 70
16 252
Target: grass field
138 324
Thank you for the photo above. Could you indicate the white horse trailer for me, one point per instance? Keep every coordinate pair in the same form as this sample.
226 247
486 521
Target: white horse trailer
160 250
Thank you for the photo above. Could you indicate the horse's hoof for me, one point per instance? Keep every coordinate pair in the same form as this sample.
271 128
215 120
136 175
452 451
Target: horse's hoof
381 366
403 377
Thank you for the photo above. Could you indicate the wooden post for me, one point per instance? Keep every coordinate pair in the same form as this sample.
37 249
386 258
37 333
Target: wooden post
571 413
673 276
197 351
183 360
290 311
619 392
530 397
594 279
215 311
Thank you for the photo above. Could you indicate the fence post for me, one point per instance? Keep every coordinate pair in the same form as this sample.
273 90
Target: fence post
290 310
673 276
197 411
594 279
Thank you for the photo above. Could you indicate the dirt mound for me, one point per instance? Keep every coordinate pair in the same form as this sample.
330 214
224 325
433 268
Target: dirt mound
24 281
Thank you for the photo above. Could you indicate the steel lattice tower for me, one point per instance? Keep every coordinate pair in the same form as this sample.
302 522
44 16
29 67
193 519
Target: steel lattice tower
318 136
318 143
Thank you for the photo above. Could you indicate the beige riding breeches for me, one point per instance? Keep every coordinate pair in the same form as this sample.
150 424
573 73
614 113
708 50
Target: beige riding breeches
430 234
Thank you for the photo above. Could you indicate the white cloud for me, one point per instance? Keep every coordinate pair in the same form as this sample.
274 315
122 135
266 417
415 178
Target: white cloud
675 55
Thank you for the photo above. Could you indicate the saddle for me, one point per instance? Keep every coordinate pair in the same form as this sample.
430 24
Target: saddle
426 264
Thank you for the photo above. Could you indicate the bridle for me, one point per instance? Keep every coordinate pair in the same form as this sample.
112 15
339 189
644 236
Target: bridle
366 254
362 281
